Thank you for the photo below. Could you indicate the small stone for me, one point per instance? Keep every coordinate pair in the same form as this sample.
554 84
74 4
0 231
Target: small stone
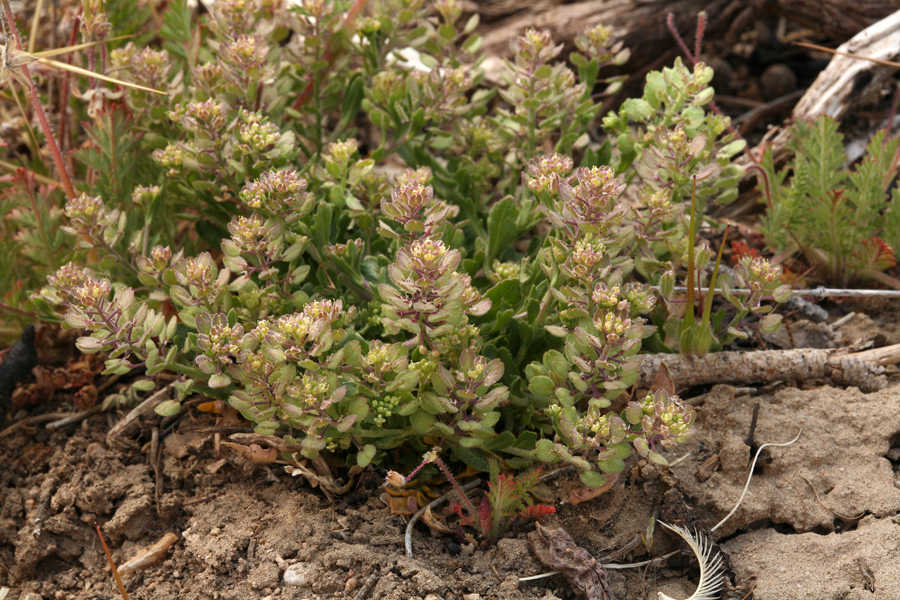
95 451
510 583
428 581
300 575
776 81
264 576
352 584
471 596
432 597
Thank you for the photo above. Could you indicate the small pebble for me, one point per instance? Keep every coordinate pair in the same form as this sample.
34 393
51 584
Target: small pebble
95 451
776 81
352 584
300 575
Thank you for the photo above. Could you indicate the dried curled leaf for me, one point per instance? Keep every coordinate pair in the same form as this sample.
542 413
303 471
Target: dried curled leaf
254 452
557 550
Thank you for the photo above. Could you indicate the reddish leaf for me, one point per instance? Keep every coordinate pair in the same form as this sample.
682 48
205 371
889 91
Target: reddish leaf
537 510
740 249
876 254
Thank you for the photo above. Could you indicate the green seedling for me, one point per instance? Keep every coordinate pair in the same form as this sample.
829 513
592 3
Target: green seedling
697 337
844 220
506 501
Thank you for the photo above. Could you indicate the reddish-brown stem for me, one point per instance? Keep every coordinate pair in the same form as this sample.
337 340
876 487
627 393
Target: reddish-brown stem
109 556
64 90
39 110
670 23
352 14
701 28
17 311
470 508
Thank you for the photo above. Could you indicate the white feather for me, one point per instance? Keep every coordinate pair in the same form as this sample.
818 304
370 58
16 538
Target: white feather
712 574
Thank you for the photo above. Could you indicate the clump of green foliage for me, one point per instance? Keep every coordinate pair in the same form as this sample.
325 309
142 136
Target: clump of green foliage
273 255
844 220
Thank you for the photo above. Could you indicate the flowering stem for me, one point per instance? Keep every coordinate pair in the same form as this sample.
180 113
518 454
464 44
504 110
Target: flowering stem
470 508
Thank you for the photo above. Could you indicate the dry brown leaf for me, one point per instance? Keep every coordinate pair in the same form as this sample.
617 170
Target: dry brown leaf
662 381
399 505
86 397
254 452
557 550
149 555
584 494
434 523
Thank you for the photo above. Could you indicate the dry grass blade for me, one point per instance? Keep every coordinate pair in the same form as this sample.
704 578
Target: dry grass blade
112 565
712 575
877 61
16 58
80 71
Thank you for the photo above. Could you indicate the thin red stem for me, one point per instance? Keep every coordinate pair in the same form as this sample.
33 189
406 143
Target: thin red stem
352 14
39 110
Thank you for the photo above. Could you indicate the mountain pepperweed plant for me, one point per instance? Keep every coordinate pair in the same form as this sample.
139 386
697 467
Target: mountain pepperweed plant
337 226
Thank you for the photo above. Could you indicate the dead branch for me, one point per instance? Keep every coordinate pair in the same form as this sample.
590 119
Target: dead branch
132 420
863 369
848 86
849 82
642 24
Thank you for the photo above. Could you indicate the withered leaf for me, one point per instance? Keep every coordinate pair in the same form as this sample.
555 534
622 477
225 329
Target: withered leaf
557 550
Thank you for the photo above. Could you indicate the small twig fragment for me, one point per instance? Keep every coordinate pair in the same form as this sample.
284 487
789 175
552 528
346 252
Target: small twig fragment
48 487
149 555
144 409
76 418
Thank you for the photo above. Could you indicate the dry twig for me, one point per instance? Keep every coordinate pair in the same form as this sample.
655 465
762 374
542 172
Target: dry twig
862 369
